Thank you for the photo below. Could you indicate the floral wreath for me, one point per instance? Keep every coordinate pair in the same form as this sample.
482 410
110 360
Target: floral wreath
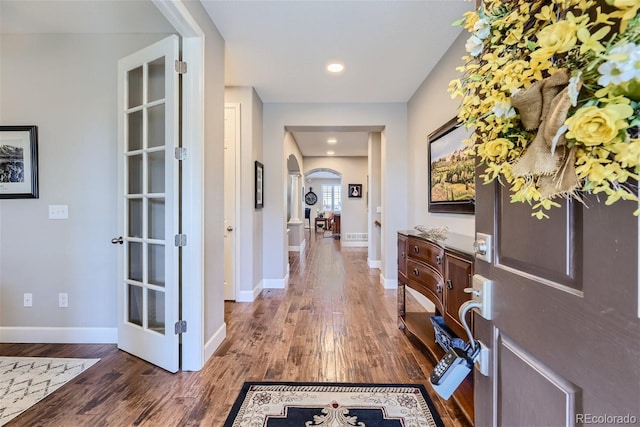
552 91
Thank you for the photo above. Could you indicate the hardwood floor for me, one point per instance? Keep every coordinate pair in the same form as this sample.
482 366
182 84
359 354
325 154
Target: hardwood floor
333 323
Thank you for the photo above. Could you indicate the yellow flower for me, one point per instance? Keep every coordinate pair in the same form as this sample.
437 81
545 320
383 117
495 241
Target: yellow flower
546 14
497 149
558 38
627 153
592 41
596 126
513 36
470 20
627 10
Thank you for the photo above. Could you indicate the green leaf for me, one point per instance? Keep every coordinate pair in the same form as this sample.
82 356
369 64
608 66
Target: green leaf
458 22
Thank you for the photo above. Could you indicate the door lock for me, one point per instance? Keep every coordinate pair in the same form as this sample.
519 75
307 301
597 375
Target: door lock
482 247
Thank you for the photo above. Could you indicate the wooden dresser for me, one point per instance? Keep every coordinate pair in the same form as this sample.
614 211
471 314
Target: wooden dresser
439 270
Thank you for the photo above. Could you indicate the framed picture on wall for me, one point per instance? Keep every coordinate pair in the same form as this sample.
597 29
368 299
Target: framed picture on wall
18 162
355 191
259 189
451 166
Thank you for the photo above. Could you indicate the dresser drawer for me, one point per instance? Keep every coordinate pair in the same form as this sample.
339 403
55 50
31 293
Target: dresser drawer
425 251
422 277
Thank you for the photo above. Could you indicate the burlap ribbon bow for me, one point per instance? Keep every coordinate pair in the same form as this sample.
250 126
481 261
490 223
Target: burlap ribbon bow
544 106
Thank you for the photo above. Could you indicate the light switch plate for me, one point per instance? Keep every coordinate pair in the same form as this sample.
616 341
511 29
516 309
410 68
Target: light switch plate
58 211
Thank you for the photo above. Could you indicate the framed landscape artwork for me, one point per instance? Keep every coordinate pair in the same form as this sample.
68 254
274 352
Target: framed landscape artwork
451 170
18 162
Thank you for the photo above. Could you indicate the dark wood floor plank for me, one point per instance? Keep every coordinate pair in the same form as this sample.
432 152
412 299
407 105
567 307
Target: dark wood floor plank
333 323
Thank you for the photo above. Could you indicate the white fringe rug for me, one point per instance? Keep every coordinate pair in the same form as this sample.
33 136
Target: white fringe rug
24 381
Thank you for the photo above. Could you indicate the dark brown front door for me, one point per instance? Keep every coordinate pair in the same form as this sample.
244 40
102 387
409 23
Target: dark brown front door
565 334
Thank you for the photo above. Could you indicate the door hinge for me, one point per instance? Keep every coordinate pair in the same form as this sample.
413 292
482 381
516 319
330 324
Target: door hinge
180 153
181 240
181 327
181 67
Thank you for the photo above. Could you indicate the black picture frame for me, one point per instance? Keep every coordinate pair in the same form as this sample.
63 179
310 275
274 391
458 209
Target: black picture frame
451 166
259 185
355 191
19 162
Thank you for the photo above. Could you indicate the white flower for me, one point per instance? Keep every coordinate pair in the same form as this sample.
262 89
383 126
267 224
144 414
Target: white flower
474 46
574 88
504 109
554 142
623 65
481 28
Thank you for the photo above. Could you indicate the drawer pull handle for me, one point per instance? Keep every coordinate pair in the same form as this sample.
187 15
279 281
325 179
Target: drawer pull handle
449 284
416 272
439 260
416 249
402 255
438 288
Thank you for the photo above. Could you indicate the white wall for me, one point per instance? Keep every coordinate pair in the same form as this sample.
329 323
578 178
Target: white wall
353 170
393 184
250 228
67 86
213 293
428 109
375 199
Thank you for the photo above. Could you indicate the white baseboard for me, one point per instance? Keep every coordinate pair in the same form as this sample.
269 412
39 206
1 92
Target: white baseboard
363 244
250 296
276 283
374 263
59 335
300 248
214 342
388 283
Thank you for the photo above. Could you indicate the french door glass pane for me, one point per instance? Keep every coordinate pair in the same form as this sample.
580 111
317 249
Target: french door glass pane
135 218
156 80
156 219
156 313
135 87
155 162
134 264
135 305
155 118
135 174
155 263
135 131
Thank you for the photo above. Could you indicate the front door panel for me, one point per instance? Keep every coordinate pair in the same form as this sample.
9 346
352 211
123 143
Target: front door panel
565 334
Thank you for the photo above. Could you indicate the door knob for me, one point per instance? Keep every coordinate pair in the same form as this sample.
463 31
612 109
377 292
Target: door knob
480 247
117 240
229 228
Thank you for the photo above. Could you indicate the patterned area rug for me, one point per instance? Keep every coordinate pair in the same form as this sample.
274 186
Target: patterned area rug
24 381
332 405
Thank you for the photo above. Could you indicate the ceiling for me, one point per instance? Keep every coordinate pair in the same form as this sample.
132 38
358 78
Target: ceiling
281 48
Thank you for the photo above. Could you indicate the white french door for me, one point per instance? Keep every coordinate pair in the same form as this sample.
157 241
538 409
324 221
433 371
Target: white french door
148 204
231 148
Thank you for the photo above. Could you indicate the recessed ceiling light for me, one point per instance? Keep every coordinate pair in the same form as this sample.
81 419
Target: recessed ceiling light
330 153
332 141
335 67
